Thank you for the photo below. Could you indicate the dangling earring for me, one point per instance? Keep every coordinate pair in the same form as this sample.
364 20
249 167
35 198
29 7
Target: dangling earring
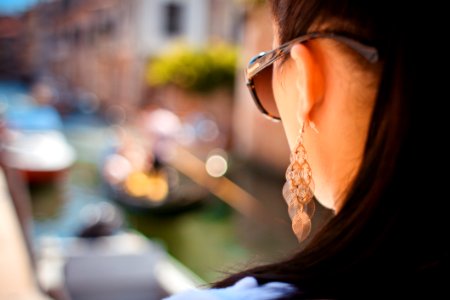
298 190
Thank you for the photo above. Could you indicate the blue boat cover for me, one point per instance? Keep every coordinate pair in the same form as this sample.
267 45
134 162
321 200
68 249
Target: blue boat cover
33 118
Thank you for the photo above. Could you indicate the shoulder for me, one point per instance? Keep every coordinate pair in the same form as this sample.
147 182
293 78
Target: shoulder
245 289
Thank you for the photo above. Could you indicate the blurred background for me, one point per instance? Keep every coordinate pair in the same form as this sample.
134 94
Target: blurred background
133 156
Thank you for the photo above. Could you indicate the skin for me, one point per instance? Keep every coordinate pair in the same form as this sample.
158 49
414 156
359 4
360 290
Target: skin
323 88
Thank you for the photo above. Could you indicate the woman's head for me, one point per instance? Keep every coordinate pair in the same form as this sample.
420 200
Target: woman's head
391 224
373 155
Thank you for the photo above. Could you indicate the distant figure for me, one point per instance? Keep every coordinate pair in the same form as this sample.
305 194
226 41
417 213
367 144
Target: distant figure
100 219
356 87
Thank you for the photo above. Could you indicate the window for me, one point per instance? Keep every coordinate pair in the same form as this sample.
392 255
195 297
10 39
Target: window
173 19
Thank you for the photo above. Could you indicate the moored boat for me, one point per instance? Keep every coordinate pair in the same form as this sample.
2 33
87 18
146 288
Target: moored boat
32 142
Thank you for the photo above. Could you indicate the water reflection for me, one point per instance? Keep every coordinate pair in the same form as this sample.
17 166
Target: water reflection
207 237
48 201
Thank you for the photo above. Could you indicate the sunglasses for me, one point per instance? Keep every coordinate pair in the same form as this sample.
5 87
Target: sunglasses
260 67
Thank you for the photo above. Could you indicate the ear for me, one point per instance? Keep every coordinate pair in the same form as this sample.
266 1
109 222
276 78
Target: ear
309 82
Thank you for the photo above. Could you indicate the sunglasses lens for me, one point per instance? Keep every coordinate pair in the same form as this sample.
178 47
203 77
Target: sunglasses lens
263 87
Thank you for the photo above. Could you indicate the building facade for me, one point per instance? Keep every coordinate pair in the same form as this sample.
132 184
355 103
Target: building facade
100 47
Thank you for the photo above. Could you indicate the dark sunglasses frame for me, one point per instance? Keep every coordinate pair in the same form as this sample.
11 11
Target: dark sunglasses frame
266 59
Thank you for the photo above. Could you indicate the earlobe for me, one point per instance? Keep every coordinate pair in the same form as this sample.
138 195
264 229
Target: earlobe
309 82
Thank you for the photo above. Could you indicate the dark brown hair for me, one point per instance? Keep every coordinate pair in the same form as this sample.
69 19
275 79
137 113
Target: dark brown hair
389 237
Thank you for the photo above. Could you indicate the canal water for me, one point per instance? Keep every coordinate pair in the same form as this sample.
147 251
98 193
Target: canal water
209 238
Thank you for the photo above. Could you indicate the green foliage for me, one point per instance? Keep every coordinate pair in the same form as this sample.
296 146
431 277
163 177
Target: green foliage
195 70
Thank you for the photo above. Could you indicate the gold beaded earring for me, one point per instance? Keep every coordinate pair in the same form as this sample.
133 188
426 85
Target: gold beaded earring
298 190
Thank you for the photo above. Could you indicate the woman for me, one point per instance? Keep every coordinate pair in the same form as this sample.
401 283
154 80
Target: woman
355 85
